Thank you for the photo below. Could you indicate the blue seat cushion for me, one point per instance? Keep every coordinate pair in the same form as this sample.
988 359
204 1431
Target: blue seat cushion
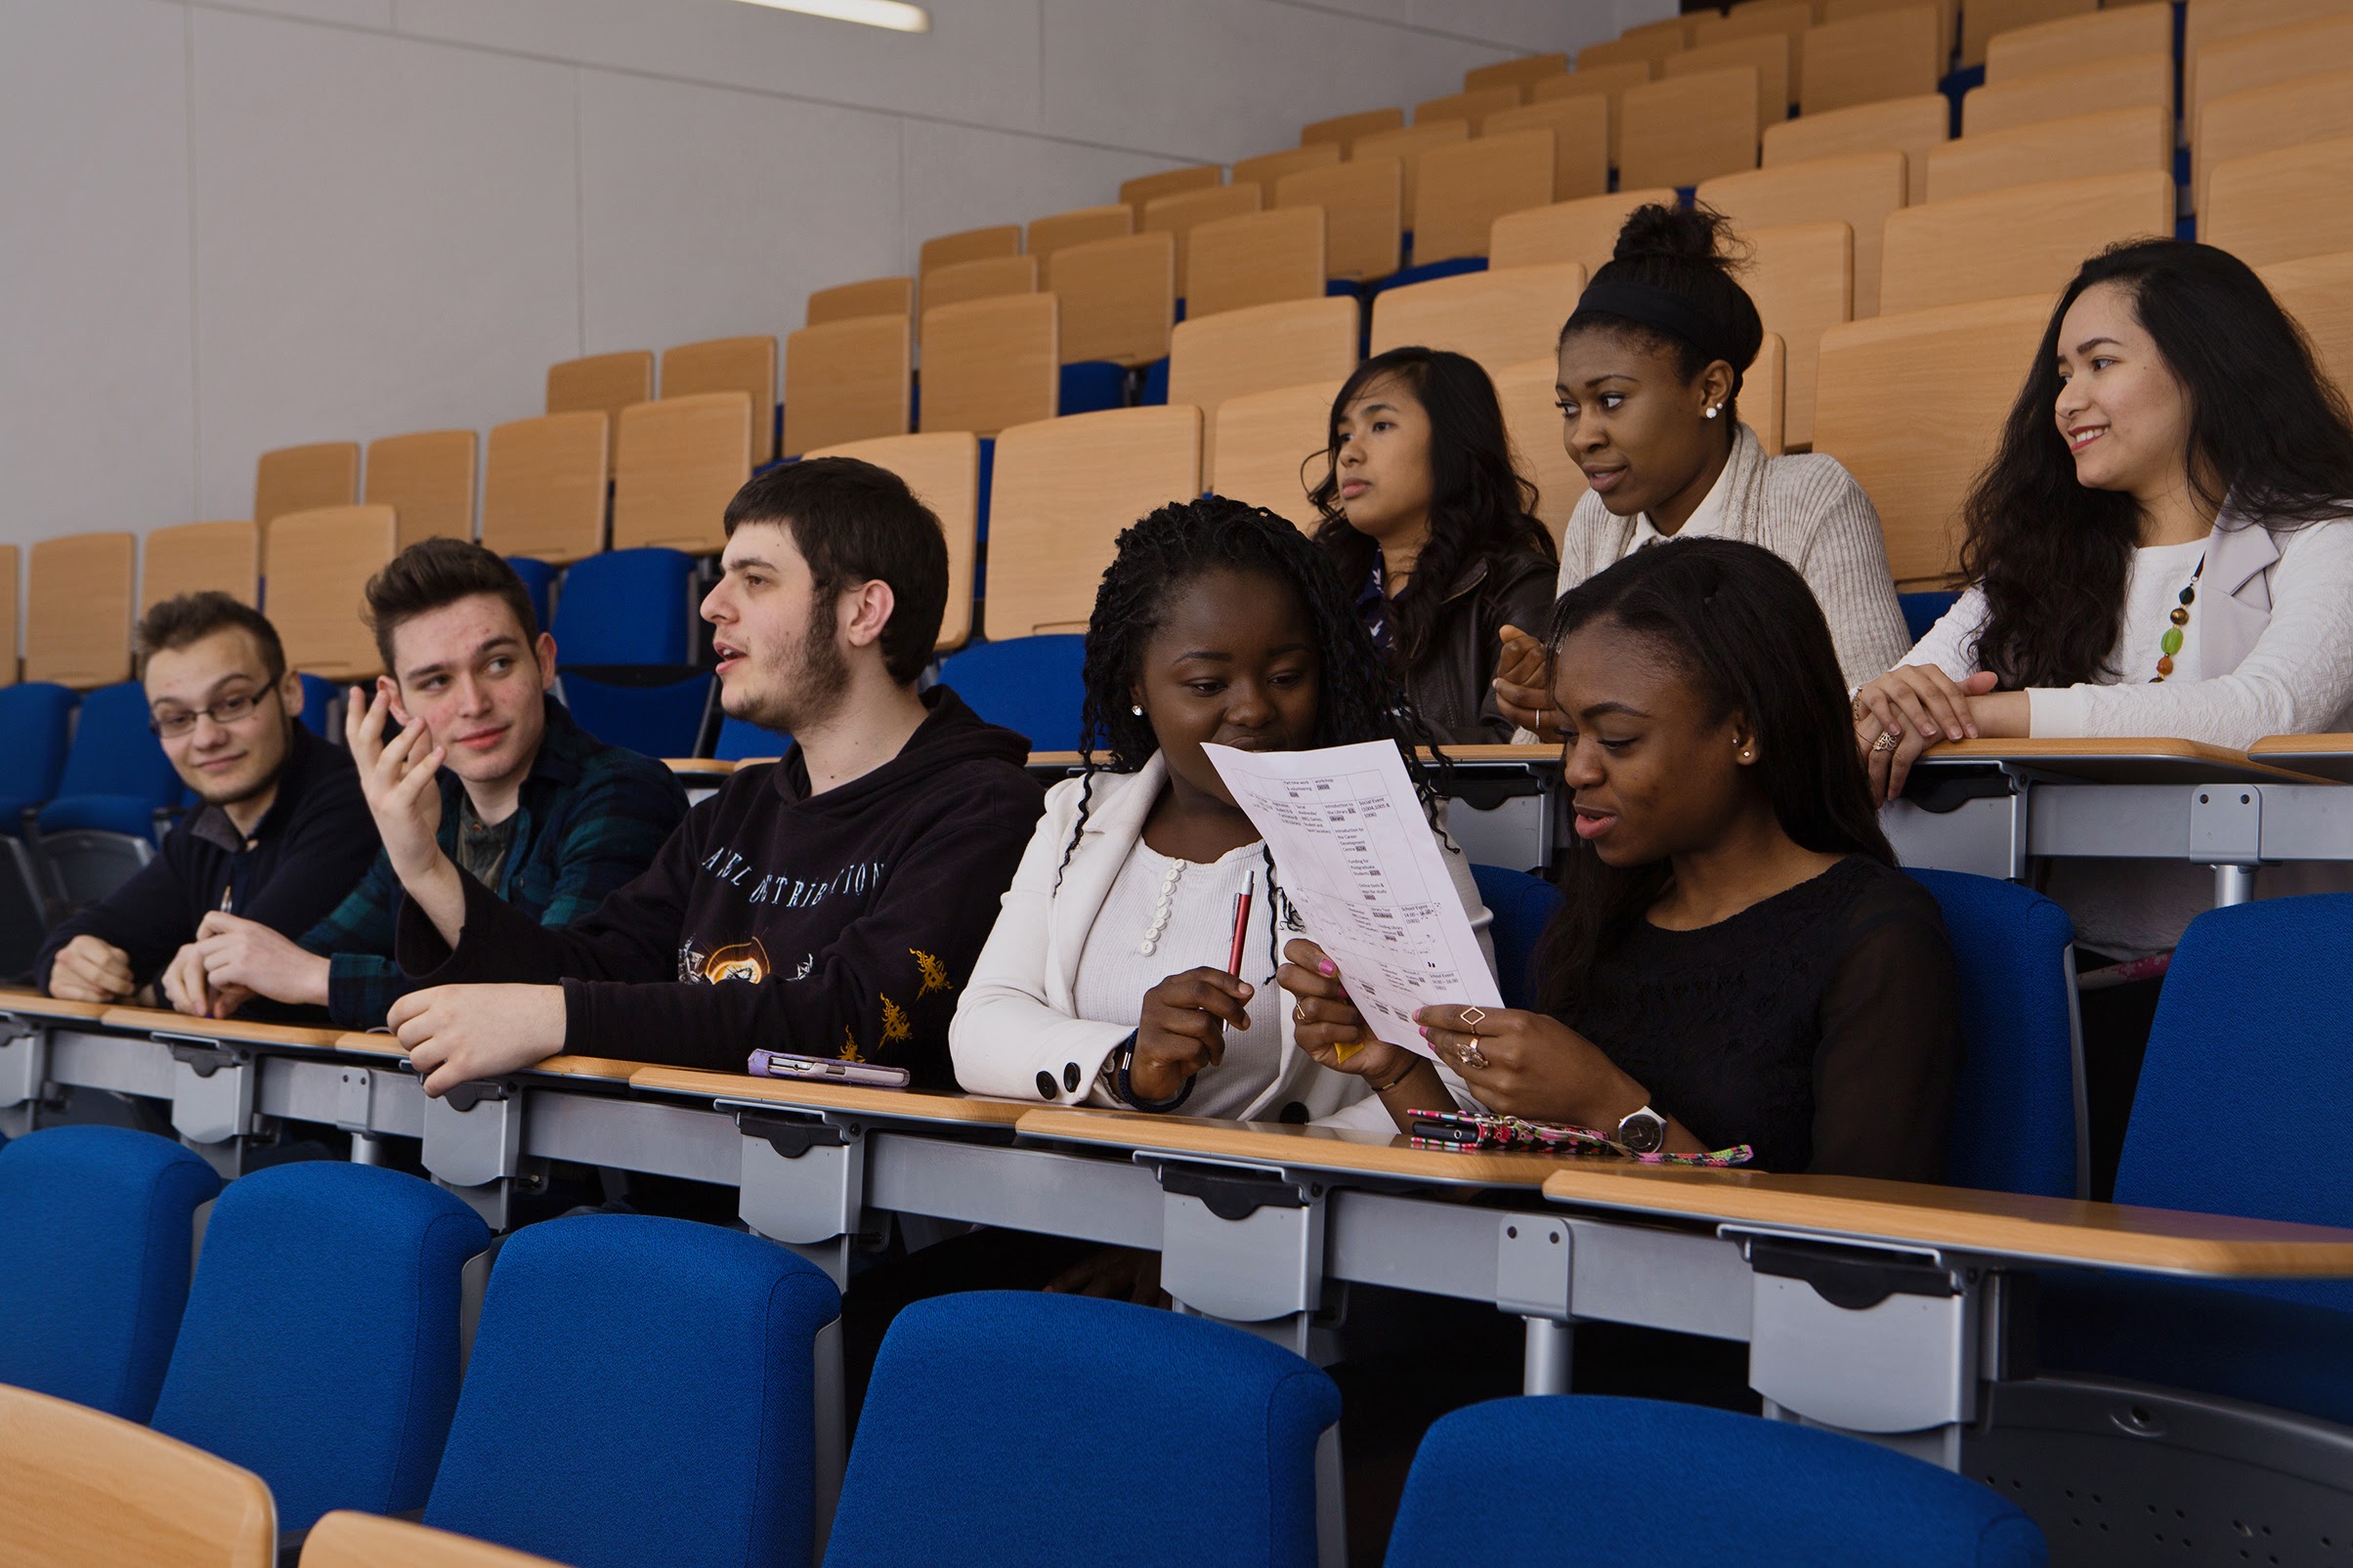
96 1232
660 721
133 816
2253 1343
1427 271
1092 385
1650 1481
319 1346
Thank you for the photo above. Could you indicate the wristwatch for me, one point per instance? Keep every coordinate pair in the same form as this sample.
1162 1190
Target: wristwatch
1644 1131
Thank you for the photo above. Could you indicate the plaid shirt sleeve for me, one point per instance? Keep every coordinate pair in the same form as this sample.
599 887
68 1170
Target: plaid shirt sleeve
598 835
622 812
361 980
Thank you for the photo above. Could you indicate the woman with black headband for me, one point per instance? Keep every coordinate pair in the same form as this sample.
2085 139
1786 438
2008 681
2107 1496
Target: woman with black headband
1650 377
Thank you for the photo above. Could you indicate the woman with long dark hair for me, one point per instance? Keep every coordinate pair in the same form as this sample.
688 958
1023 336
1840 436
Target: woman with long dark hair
2159 547
1427 517
1650 368
1104 978
1739 959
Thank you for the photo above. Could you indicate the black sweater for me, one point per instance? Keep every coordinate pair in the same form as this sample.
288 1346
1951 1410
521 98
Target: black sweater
1820 1026
310 849
839 924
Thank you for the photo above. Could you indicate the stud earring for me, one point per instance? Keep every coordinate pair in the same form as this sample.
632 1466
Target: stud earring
1711 413
1137 709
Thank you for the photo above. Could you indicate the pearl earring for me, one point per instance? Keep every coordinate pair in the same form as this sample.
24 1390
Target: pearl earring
1711 413
1137 709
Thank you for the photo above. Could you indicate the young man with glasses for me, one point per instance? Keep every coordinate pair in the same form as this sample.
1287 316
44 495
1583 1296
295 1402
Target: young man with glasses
539 811
282 830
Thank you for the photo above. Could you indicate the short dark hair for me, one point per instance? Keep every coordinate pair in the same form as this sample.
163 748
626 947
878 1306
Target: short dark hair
433 573
855 523
171 624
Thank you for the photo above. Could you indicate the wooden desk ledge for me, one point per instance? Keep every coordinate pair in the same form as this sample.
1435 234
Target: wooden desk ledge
2324 756
26 1004
698 767
2056 1230
1545 754
1342 1151
228 1031
357 1044
903 1105
2153 759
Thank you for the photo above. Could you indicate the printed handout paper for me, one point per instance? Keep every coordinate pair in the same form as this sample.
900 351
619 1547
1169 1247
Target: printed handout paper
1357 859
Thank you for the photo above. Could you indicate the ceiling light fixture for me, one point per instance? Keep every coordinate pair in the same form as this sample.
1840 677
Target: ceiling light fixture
895 14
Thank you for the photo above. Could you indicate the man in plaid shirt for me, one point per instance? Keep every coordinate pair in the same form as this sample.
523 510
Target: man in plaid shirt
542 813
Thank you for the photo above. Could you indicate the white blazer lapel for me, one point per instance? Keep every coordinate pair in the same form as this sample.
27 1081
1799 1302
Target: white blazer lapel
1113 825
2234 603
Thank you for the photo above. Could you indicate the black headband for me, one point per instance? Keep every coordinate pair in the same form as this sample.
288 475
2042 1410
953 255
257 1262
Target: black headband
1658 309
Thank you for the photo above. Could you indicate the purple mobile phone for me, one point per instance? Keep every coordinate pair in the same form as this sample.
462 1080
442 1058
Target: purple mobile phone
827 1070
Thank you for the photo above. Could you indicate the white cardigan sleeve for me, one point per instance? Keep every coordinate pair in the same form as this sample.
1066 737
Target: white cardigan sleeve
2294 680
1951 643
1006 1038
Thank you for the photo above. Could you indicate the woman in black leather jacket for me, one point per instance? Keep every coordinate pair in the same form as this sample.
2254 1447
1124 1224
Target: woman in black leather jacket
1428 520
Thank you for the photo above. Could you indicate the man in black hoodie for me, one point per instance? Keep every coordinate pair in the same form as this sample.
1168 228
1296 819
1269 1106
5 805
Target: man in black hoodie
829 905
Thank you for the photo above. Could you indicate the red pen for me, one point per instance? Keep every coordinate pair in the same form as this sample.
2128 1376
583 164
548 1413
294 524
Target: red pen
1233 959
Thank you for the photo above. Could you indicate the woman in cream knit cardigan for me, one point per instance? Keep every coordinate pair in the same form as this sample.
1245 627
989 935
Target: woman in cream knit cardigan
1649 373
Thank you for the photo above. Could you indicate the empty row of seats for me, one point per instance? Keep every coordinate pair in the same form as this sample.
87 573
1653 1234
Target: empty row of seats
319 1359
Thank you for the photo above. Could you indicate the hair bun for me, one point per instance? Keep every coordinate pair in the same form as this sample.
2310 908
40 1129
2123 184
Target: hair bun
1685 233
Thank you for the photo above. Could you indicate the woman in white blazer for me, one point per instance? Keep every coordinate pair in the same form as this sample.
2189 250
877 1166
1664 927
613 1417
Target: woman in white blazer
2159 547
1104 980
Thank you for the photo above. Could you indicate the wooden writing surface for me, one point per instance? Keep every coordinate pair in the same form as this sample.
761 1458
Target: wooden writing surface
32 1005
2055 1230
1338 1150
2322 756
227 1030
2154 759
906 1104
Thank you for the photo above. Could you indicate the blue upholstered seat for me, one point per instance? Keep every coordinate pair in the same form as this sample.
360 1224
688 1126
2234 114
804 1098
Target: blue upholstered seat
1019 1427
34 718
1032 685
1523 906
116 776
97 1228
625 630
640 1391
1582 1477
2240 1103
2014 1115
319 1346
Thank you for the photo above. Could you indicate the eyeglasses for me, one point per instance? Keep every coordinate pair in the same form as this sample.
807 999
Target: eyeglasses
227 711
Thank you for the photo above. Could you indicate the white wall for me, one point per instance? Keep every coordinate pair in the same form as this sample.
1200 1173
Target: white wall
226 226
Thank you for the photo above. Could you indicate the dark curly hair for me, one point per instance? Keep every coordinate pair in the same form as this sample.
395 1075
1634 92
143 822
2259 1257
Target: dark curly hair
2267 429
1358 697
1479 503
1692 253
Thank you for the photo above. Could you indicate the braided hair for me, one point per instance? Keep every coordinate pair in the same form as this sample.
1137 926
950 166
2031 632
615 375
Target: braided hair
1359 695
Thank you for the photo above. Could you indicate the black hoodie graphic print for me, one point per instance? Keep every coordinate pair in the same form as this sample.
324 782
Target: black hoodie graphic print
841 925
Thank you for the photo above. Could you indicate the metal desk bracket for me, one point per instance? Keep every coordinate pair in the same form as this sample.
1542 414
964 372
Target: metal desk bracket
23 1060
356 1100
1870 1339
1240 1242
804 1177
1532 1254
2226 832
212 1089
474 1145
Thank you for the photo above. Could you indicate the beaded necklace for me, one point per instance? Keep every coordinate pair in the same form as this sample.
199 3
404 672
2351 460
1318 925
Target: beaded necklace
2170 643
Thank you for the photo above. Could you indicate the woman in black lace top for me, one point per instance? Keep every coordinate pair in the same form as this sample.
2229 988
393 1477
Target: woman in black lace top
1738 960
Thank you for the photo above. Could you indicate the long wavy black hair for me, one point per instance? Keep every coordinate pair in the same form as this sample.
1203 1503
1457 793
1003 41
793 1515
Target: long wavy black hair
2267 429
1358 697
1740 625
1479 503
1692 253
